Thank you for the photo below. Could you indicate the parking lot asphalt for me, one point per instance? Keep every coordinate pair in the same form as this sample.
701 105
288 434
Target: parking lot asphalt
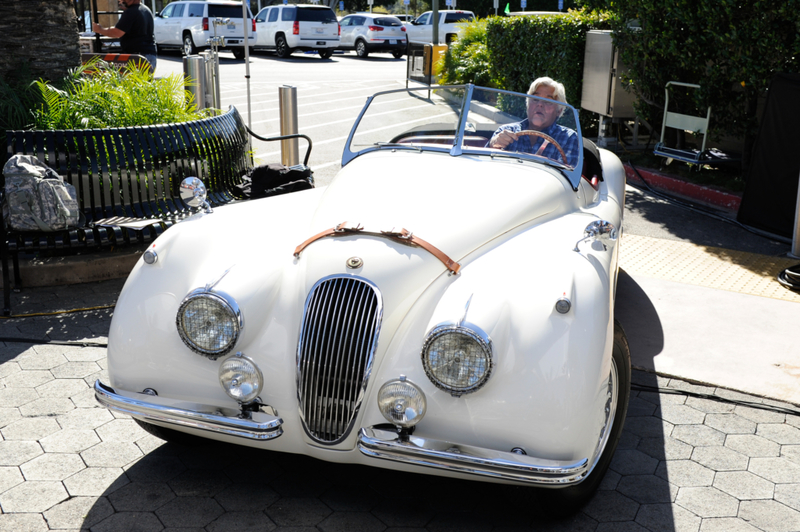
711 441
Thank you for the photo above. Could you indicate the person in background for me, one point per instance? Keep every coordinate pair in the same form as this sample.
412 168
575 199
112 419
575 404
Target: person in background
134 31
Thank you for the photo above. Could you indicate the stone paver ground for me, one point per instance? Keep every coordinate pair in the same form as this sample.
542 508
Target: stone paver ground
692 458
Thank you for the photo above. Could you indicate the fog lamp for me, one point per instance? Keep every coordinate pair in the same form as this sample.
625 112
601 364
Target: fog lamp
402 402
240 378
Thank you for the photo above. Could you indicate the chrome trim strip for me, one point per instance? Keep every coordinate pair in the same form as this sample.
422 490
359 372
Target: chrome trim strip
261 426
507 466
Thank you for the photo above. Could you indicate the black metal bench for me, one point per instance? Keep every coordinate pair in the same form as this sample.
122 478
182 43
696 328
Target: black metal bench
131 173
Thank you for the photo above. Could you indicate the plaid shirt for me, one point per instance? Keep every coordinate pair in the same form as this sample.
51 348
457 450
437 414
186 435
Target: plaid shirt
566 138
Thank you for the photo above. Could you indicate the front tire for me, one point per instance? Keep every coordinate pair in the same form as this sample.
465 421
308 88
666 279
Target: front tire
281 48
361 49
188 44
569 500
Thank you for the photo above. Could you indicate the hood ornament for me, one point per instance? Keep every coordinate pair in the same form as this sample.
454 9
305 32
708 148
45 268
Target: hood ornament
354 263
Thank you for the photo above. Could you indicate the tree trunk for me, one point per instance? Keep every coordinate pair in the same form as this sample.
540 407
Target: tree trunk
38 38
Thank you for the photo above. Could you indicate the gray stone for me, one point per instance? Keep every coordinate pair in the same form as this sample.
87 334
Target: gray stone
648 427
8 415
23 523
788 494
85 354
30 429
96 481
665 448
632 462
131 522
243 521
111 454
744 485
348 521
608 506
791 452
85 418
78 512
125 430
246 497
402 515
685 473
75 370
69 441
726 524
38 358
10 477
189 512
141 497
707 502
298 512
32 496
720 458
759 415
62 388
610 480
352 499
16 397
52 466
639 407
779 433
46 406
630 526
667 518
28 379
777 470
8 368
199 483
155 468
679 414
698 435
752 445
709 406
737 396
730 423
770 516
647 489
15 453
663 398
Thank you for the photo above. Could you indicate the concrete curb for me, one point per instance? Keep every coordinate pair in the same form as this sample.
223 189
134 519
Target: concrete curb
711 197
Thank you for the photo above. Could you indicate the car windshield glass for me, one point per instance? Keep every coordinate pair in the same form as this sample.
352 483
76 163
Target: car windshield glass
388 21
216 11
310 14
451 18
497 124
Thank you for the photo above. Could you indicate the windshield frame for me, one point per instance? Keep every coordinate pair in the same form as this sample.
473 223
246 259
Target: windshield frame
573 175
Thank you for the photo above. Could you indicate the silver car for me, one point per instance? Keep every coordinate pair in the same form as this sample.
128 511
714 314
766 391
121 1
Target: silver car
367 33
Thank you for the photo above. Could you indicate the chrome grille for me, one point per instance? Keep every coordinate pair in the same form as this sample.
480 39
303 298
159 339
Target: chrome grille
337 342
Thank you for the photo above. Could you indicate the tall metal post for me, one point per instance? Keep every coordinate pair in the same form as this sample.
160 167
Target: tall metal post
195 69
795 253
246 24
287 98
435 20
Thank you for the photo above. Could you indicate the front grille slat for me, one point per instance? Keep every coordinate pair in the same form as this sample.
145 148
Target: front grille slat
337 343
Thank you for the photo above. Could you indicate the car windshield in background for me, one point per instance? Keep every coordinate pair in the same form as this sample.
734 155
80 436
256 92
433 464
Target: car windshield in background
537 129
215 11
388 21
311 14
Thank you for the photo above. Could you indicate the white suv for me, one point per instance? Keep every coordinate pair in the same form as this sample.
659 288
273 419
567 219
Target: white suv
187 25
305 27
450 22
369 32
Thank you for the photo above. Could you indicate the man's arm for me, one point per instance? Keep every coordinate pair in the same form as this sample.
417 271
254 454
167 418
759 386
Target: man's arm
114 33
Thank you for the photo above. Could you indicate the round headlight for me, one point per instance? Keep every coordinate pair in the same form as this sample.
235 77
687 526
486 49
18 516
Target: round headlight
402 402
457 359
209 324
240 378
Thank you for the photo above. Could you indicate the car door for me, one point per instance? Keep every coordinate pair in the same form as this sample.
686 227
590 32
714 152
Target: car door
261 28
160 27
270 26
346 38
420 28
174 25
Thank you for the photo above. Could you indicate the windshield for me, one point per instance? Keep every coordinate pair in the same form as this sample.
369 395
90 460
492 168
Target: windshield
496 124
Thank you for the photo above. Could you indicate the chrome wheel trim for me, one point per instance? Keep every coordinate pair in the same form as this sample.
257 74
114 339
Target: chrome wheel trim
612 398
188 45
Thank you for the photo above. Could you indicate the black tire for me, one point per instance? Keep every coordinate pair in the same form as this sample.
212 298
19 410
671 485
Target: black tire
281 48
568 500
238 53
361 49
188 45
325 54
170 435
397 54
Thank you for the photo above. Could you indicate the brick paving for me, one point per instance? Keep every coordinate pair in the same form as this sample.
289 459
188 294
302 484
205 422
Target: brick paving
692 458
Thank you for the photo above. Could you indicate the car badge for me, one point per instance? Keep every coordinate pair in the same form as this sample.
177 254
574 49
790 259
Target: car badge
354 262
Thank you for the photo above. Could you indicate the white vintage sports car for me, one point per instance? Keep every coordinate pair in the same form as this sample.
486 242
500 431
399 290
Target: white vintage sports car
445 306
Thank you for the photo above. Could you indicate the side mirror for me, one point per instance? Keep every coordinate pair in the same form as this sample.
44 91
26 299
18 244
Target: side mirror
193 193
599 230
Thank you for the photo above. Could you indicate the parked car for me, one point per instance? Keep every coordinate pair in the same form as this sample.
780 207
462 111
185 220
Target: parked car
404 18
287 28
368 33
450 23
442 307
188 25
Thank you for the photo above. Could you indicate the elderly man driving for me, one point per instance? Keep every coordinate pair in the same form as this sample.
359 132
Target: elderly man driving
542 117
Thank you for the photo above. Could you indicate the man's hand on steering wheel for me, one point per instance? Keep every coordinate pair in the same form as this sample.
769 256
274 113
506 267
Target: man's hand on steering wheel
502 140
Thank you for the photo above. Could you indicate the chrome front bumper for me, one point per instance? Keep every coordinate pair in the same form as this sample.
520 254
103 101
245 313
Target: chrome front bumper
506 466
228 421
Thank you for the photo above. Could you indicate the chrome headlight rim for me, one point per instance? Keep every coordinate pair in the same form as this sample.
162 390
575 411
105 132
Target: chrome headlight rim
239 356
229 304
475 333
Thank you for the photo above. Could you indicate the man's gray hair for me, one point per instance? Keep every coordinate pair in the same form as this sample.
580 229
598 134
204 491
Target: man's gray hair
560 93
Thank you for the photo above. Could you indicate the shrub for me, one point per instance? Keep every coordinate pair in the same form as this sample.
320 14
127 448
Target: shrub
467 59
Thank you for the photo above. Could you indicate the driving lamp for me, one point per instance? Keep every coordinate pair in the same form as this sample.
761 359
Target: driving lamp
457 359
240 378
402 402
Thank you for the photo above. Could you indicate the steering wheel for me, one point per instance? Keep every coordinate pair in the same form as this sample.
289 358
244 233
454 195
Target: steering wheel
548 138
